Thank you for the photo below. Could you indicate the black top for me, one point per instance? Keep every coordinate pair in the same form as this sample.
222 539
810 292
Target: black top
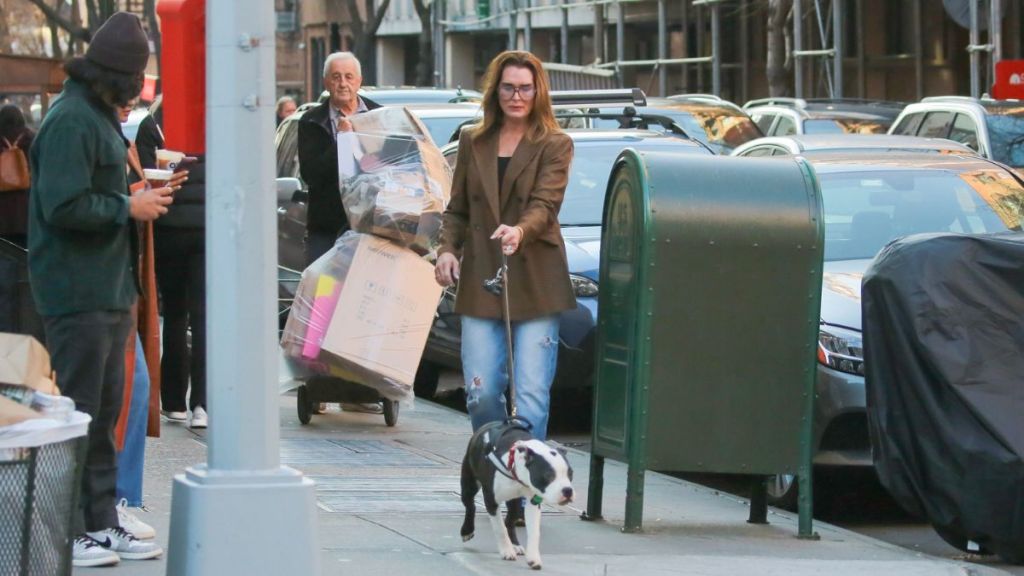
502 166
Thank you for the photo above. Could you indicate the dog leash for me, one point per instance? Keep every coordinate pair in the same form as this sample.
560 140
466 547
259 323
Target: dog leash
499 286
509 472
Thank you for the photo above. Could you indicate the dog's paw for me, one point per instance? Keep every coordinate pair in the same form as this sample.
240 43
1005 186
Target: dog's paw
468 537
520 551
534 563
508 553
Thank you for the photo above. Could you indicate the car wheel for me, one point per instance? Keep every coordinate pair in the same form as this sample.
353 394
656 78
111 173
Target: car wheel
427 376
783 491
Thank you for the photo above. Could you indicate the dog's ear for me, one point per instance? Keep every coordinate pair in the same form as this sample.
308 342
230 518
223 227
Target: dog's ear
525 451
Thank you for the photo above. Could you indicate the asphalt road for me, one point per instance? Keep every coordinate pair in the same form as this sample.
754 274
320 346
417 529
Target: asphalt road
853 500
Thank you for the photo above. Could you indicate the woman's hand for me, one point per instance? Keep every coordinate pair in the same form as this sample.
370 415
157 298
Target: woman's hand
179 178
446 271
510 237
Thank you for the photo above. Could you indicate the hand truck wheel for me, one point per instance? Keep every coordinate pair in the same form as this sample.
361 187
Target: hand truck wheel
304 406
390 412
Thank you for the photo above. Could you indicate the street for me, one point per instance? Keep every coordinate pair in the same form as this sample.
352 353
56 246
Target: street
851 499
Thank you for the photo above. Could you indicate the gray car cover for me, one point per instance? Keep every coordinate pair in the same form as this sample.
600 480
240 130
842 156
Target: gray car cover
943 318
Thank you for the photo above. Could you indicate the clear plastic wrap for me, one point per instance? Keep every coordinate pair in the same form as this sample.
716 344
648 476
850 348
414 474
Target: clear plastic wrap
362 313
394 182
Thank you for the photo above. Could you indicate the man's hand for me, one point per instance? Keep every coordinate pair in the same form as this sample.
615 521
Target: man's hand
178 179
446 271
344 124
148 205
510 237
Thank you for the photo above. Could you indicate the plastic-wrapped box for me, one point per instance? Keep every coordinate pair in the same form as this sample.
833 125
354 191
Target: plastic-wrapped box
363 312
394 182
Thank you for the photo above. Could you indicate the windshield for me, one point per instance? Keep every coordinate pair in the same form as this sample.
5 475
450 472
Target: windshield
844 126
588 176
719 126
1006 134
864 211
442 129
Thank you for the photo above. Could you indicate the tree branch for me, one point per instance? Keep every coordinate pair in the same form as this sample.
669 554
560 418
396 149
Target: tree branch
54 18
378 18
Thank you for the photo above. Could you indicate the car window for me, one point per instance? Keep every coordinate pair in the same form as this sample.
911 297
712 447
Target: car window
759 151
935 125
844 126
763 120
964 131
785 126
442 129
864 211
1006 135
909 125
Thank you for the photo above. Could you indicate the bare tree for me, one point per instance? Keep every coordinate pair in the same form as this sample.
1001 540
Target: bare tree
425 65
364 32
779 64
57 20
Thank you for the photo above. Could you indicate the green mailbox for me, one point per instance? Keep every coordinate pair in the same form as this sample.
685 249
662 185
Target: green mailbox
711 271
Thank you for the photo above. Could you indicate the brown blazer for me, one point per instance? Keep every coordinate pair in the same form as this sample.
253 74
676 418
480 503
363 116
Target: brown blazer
530 197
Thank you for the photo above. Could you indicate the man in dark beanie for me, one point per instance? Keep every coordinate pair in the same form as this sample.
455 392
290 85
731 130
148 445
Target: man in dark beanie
82 246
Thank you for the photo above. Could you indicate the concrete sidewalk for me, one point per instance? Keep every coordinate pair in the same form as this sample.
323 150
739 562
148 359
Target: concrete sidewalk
388 504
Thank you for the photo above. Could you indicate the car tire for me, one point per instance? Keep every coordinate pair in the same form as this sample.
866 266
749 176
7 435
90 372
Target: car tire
427 377
783 491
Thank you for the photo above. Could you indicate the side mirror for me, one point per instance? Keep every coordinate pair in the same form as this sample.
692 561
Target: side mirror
286 189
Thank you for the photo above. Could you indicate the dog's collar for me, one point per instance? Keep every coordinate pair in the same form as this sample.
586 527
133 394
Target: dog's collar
509 471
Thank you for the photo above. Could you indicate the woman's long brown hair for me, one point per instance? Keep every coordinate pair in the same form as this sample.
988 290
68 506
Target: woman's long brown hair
542 118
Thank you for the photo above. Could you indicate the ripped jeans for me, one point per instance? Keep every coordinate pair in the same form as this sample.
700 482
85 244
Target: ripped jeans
484 369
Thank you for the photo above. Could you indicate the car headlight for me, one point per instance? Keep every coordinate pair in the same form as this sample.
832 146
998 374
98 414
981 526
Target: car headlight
582 286
841 349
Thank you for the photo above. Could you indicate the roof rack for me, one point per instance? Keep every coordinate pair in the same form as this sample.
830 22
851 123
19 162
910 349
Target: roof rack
860 101
791 102
627 97
696 97
951 98
629 118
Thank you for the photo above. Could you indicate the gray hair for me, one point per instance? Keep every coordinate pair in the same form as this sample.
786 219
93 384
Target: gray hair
342 56
281 101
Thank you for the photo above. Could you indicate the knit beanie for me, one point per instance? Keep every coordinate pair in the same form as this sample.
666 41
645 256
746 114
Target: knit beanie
120 44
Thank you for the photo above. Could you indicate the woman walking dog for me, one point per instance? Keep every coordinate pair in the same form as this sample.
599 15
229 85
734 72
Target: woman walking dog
510 178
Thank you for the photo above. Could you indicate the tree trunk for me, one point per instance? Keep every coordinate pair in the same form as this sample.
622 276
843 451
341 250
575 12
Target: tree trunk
149 12
54 18
5 34
364 35
777 60
55 36
425 64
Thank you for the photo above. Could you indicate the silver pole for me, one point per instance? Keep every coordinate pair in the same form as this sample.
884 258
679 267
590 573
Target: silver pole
565 35
685 17
995 37
837 45
798 45
620 40
528 29
975 57
918 49
662 48
716 49
512 25
243 483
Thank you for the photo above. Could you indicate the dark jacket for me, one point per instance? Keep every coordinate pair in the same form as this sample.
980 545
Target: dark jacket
530 197
318 165
80 233
189 207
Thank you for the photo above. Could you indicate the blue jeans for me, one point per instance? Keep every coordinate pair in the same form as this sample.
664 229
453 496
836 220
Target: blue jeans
484 357
131 459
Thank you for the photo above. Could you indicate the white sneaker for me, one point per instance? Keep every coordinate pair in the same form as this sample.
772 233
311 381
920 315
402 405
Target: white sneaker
131 523
88 552
199 418
128 547
174 415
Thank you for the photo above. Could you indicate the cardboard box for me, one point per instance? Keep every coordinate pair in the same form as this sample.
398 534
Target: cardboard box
25 362
382 317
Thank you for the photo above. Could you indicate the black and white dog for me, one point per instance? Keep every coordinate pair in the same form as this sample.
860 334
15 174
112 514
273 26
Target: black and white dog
509 464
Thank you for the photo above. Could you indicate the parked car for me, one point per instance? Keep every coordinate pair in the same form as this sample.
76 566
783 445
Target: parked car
807 144
402 95
787 116
444 120
869 200
994 128
580 218
719 124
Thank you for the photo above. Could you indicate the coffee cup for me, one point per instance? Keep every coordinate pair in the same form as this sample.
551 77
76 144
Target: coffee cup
168 159
158 178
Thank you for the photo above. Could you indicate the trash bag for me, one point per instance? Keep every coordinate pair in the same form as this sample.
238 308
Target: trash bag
943 318
393 180
362 313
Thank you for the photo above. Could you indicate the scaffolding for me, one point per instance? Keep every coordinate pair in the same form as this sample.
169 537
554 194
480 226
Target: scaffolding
827 19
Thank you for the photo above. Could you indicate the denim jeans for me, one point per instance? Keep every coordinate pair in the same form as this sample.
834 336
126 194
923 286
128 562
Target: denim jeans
484 357
132 457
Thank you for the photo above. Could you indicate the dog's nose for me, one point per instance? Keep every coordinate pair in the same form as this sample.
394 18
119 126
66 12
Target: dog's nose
567 493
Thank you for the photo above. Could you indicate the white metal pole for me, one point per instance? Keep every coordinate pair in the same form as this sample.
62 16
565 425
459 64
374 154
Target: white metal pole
564 36
973 49
620 41
527 28
798 45
995 35
716 49
837 45
662 48
243 483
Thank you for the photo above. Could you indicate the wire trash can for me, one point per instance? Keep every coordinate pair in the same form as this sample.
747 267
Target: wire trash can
40 469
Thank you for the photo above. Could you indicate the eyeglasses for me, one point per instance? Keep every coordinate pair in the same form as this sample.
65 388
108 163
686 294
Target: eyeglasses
508 91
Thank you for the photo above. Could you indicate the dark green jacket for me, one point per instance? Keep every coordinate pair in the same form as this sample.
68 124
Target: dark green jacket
79 230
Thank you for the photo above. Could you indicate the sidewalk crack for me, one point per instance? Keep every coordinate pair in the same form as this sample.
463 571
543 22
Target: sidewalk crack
393 531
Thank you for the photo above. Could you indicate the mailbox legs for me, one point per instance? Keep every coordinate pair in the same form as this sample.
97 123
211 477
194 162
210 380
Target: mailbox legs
634 499
596 489
758 500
